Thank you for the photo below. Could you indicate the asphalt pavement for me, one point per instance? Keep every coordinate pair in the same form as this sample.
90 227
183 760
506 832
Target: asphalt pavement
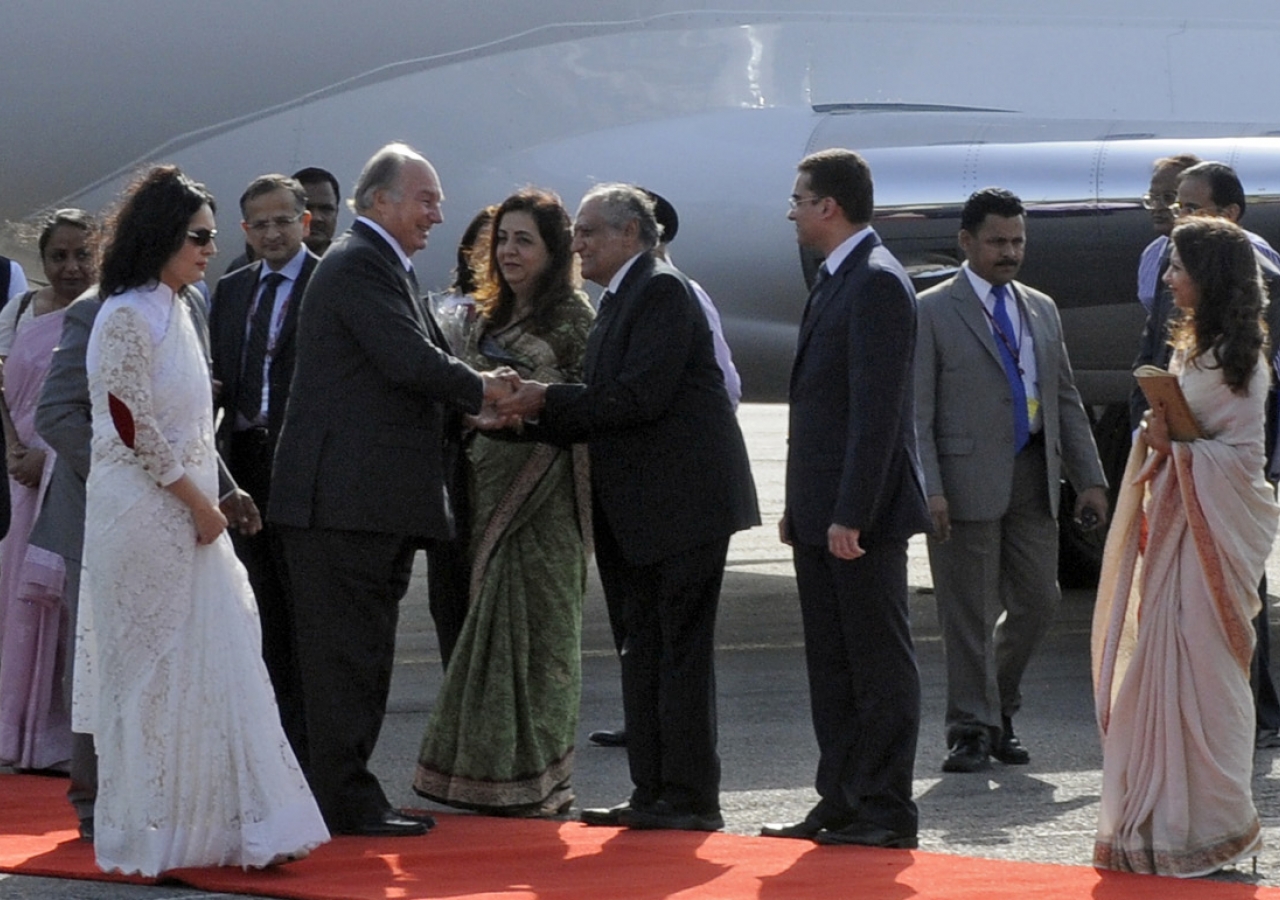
1043 812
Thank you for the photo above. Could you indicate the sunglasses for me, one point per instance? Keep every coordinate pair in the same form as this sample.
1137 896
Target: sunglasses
202 236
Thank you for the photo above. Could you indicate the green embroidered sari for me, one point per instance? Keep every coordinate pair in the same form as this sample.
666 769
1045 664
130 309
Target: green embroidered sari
501 736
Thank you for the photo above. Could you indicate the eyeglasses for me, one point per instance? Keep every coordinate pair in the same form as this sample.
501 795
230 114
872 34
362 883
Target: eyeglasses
1182 210
202 237
796 202
1167 200
279 222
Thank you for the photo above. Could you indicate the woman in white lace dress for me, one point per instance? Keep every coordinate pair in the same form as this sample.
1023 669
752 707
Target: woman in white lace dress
194 766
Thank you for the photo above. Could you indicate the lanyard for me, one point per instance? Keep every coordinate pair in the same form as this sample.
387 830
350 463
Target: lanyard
1015 350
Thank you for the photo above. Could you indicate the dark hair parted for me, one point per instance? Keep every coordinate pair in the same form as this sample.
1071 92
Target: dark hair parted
990 201
845 177
315 175
149 226
559 281
1224 184
472 250
1220 260
73 218
266 184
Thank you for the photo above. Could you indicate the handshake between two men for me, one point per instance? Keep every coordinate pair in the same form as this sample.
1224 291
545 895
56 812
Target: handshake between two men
508 400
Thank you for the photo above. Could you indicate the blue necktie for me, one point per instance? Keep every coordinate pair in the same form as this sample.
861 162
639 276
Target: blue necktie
1006 345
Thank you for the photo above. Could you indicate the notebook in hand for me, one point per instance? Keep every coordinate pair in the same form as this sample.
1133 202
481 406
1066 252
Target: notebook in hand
1160 386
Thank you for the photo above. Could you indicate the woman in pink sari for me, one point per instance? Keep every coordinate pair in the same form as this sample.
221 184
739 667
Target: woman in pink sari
1172 637
35 716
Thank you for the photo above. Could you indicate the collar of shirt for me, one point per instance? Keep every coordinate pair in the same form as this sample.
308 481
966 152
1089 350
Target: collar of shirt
1023 340
290 270
395 245
837 256
980 286
616 281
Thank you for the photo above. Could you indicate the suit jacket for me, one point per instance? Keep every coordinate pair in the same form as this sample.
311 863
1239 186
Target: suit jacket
361 446
228 319
669 467
964 408
64 418
851 456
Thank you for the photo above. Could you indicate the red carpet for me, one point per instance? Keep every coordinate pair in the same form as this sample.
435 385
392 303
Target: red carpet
475 857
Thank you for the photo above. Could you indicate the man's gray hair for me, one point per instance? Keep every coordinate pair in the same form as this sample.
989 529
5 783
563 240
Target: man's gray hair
382 173
623 203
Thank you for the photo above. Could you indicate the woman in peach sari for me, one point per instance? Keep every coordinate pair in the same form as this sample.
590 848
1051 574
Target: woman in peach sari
1172 637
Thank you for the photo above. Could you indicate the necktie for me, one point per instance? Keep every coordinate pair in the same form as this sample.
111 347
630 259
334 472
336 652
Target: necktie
255 349
819 280
413 283
1005 344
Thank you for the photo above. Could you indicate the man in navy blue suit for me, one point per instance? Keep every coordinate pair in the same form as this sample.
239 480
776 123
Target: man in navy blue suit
854 495
253 327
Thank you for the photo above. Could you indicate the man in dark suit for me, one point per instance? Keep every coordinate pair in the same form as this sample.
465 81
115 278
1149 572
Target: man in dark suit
322 202
853 498
358 485
670 483
253 321
1000 423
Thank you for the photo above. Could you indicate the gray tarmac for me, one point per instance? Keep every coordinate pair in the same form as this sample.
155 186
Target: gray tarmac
1043 812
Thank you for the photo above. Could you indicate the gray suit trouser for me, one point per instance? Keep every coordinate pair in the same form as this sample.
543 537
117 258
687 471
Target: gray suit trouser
83 789
996 584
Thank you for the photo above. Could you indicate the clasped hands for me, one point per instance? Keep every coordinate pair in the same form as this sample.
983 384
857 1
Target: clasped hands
508 400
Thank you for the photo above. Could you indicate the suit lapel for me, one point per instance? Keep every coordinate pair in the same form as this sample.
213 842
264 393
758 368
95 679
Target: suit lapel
290 324
241 300
608 315
1043 345
968 307
415 303
820 301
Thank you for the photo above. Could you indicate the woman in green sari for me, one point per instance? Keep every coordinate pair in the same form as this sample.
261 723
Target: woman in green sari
501 737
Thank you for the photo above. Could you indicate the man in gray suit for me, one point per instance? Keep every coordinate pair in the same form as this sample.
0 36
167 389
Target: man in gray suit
999 421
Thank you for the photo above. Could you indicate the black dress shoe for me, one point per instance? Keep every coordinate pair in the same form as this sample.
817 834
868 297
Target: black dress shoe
804 831
968 754
609 738
389 824
663 817
614 816
1009 749
418 815
864 835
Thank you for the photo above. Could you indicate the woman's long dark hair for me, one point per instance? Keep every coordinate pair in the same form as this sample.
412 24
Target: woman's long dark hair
559 281
148 227
470 250
1219 258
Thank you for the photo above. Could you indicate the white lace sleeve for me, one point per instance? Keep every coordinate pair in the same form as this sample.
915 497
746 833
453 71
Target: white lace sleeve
125 366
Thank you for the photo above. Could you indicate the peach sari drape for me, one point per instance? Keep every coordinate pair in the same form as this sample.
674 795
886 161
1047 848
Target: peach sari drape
1172 641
